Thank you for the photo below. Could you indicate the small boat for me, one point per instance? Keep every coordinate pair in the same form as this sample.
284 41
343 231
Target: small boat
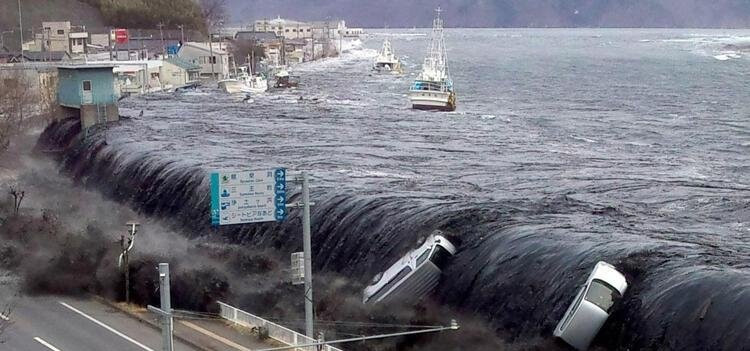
387 62
413 276
231 85
284 80
244 83
433 88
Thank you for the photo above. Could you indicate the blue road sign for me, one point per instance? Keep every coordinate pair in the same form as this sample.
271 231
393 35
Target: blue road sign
248 196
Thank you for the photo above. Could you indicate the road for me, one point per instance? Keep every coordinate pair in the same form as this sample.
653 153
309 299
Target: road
65 324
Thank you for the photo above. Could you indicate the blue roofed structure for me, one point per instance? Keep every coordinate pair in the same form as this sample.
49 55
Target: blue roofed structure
89 88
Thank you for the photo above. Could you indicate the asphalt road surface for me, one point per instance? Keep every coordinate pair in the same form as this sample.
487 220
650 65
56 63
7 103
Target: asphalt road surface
64 324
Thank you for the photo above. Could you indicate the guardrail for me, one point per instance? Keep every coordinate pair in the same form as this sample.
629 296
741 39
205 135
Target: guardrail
275 331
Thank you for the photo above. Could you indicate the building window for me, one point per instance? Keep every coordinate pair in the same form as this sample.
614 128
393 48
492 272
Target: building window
286 30
60 32
86 85
308 29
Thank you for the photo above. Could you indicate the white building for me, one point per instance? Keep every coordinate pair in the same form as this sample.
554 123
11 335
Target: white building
212 57
288 29
59 36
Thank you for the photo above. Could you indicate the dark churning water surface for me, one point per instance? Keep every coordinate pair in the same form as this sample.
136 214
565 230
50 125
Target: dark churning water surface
568 147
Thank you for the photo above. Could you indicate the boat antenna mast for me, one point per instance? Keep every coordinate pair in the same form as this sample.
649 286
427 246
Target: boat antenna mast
436 61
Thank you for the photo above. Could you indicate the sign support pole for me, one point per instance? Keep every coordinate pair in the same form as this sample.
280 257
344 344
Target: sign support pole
166 306
307 246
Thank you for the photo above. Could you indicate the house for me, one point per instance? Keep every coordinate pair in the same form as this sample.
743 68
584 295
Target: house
288 29
213 58
143 48
176 73
59 36
90 89
138 77
259 37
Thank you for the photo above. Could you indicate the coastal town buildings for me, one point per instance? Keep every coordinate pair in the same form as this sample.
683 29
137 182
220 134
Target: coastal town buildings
212 57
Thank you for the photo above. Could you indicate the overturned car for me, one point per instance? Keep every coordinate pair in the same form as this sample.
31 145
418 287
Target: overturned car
592 306
413 276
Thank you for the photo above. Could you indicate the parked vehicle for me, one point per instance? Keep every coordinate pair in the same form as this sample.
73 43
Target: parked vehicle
413 276
604 287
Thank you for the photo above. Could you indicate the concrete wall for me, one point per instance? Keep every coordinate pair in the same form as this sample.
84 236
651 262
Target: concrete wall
42 84
92 114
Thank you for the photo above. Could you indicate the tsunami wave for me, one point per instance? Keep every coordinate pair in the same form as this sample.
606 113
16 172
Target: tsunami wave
518 264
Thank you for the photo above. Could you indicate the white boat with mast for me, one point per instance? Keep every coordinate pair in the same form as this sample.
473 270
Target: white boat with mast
387 62
257 82
244 82
433 88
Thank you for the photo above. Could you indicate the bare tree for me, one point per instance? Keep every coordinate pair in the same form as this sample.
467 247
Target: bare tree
15 100
244 50
17 198
214 13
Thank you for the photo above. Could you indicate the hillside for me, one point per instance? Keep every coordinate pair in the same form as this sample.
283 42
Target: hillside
98 14
36 11
149 13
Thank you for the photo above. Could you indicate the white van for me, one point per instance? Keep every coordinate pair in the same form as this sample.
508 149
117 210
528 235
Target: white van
592 306
413 276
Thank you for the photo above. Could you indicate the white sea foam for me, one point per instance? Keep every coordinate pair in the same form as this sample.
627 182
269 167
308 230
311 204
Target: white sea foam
721 57
364 173
583 139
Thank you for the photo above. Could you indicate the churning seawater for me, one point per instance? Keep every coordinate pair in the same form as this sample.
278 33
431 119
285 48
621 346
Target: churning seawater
568 147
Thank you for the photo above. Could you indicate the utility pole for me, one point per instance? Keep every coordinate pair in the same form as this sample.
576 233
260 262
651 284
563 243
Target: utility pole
126 246
20 26
182 34
167 326
211 57
109 42
161 34
307 246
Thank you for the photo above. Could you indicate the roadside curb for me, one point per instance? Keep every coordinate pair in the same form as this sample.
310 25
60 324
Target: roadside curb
149 323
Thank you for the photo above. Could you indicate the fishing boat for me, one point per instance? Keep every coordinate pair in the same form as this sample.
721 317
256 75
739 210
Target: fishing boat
387 62
244 81
284 80
433 87
256 82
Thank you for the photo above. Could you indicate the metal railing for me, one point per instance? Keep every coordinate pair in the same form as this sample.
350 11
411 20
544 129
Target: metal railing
275 331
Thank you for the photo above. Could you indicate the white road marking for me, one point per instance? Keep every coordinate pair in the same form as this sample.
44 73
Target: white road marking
106 327
4 317
223 340
46 344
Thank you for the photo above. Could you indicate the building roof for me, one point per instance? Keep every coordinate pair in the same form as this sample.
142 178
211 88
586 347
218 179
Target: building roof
217 48
251 35
184 64
152 45
86 66
45 55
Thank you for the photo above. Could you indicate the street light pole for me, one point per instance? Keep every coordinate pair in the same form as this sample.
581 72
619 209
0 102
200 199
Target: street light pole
165 309
126 246
20 26
161 34
182 34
